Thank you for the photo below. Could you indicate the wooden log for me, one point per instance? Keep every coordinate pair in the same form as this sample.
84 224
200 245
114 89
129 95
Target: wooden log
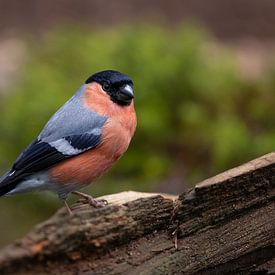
225 225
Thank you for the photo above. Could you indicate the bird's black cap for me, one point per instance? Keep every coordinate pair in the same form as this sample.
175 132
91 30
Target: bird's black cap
109 76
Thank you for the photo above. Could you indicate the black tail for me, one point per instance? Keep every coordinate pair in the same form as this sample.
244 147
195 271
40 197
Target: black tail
8 182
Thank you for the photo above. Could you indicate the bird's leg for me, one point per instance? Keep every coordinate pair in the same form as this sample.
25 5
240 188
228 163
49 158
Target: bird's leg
90 200
68 207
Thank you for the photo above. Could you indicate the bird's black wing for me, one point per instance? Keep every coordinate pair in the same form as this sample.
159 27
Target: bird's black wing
41 155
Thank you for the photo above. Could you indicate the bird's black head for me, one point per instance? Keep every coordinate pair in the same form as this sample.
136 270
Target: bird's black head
117 85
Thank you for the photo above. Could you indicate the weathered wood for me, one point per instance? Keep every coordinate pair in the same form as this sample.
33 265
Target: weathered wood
225 225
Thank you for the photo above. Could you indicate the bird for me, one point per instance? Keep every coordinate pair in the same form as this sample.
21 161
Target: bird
80 142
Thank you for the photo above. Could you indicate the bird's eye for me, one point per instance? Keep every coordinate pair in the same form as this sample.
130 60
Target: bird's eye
106 86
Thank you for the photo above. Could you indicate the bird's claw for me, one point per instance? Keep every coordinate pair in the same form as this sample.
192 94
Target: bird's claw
94 202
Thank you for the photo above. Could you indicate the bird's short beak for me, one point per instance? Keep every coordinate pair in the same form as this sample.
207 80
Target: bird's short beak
126 93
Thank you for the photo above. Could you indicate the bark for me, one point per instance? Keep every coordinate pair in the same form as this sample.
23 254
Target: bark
225 225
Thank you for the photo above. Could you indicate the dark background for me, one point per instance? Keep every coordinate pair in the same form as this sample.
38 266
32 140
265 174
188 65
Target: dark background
226 19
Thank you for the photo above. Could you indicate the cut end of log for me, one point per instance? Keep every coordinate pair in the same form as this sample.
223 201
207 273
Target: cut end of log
249 167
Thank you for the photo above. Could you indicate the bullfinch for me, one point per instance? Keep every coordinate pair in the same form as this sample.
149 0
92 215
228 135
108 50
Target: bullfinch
80 142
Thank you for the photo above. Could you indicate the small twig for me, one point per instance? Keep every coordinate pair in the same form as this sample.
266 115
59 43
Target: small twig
175 238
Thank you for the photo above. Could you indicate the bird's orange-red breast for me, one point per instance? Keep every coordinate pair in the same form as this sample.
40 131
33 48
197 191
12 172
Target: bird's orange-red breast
117 133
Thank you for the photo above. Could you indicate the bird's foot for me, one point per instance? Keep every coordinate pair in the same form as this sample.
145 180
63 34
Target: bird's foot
68 208
95 203
87 199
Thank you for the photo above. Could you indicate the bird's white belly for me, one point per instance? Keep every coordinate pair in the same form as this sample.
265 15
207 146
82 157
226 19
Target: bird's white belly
41 182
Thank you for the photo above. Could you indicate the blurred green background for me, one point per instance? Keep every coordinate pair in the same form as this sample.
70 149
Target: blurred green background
203 106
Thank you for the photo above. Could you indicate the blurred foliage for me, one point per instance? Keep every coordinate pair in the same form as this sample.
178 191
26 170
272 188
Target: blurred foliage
196 115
